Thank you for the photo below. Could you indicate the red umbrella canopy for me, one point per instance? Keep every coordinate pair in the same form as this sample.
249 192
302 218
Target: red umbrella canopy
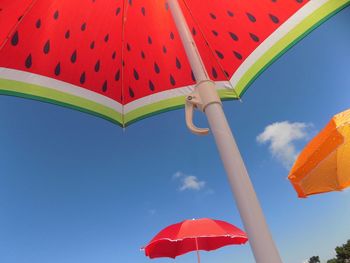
191 235
124 60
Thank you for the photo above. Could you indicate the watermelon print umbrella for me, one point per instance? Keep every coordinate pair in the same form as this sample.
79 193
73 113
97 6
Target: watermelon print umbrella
126 60
194 235
71 52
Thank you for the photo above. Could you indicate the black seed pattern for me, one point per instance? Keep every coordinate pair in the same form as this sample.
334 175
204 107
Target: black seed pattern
106 38
300 1
38 23
128 47
83 27
67 35
172 36
230 13
82 78
151 85
215 33
156 68
164 49
131 93
143 55
58 69
237 55
219 54
28 62
215 73
212 16
233 36
172 80
92 45
149 40
136 75
73 58
15 39
114 55
254 37
97 66
251 17
274 19
117 76
117 11
104 86
178 63
194 32
192 76
46 48
143 11
55 15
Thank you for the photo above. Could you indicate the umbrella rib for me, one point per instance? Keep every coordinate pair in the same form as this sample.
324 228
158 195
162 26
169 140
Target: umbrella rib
308 159
316 167
124 17
336 167
26 11
210 48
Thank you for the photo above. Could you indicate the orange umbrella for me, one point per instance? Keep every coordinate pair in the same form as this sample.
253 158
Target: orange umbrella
324 164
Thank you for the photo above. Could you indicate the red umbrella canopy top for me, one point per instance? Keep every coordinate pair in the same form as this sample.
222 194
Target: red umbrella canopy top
124 60
190 235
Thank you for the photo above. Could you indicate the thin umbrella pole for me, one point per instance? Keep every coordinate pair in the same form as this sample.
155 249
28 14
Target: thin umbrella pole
260 239
197 249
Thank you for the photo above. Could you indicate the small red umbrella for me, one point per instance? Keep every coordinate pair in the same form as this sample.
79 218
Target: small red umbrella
194 235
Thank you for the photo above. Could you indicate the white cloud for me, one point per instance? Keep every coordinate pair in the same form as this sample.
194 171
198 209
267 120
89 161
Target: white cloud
189 182
281 137
152 212
178 174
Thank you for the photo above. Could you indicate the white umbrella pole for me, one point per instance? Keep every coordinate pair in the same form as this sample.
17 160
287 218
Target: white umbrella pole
260 239
197 249
198 258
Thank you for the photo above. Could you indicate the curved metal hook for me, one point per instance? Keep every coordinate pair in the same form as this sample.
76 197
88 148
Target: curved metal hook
191 103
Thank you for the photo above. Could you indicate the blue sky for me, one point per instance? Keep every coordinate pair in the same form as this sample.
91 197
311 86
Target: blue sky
76 188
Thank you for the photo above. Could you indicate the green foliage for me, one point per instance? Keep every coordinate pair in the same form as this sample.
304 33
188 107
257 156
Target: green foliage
342 254
314 259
